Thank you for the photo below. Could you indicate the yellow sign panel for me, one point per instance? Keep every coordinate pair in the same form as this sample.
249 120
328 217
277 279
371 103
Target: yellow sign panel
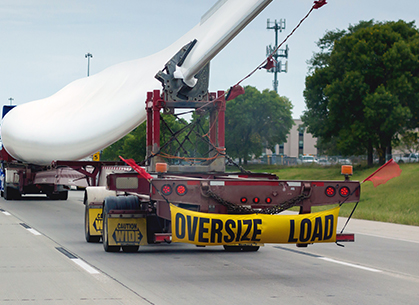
127 231
95 221
224 229
96 156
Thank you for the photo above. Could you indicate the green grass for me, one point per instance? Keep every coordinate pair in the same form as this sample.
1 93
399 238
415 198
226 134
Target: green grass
396 201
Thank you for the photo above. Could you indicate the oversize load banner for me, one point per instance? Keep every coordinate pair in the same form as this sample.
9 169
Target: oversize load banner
221 229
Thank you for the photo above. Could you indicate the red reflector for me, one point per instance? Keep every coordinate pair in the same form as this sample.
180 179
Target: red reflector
342 237
181 190
166 189
344 191
268 200
162 237
243 200
256 200
330 191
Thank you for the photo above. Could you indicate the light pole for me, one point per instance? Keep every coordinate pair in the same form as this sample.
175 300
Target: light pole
88 56
11 99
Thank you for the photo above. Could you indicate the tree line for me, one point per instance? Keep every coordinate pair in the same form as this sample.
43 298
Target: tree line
254 121
362 91
361 95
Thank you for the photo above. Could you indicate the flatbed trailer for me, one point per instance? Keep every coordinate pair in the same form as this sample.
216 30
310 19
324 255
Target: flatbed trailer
135 207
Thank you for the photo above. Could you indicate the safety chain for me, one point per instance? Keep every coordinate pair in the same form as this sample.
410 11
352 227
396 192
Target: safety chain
231 161
239 209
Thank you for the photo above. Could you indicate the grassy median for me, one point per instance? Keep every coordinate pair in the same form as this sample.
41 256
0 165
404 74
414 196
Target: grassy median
396 201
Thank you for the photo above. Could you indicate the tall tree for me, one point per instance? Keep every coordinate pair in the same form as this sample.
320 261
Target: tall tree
255 120
363 87
133 145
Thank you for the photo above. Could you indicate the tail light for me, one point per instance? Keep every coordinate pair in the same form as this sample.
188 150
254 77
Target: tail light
181 190
344 191
166 189
330 191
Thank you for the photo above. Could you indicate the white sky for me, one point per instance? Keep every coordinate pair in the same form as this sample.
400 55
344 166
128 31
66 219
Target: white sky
43 42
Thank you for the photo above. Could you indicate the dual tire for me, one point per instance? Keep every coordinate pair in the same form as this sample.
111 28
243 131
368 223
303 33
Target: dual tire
241 248
11 193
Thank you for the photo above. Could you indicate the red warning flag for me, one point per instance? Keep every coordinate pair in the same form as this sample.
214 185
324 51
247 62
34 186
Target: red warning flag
319 4
137 168
386 172
270 63
234 92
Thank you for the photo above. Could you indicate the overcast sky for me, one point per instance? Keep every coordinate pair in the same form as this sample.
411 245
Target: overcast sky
43 42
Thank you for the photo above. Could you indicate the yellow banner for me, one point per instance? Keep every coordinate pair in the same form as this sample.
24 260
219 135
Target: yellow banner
224 229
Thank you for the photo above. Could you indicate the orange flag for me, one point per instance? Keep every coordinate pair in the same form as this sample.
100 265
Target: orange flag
386 172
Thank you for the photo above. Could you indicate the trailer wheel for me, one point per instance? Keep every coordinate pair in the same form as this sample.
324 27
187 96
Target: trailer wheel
250 248
105 240
63 195
232 248
11 193
130 249
241 248
117 203
59 196
89 238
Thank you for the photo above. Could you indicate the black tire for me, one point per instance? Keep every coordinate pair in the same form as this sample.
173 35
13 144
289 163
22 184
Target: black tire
241 248
105 240
228 248
250 248
130 249
11 193
6 194
63 195
121 203
89 238
59 196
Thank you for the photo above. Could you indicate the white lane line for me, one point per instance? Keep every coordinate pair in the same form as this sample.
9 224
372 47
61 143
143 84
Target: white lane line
33 231
390 237
349 264
85 266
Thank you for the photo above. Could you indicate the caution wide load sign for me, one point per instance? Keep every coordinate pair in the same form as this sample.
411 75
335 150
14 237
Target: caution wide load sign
223 229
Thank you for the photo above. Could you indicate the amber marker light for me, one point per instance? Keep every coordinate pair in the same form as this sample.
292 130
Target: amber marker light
347 170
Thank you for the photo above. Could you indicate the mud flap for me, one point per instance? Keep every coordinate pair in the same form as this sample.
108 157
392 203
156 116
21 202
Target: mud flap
95 220
126 231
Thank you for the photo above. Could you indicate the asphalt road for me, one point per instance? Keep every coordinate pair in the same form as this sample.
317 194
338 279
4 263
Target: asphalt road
44 259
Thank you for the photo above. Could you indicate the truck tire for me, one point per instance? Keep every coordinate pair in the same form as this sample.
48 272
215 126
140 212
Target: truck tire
250 248
121 203
59 196
117 203
63 195
130 249
11 193
105 240
229 248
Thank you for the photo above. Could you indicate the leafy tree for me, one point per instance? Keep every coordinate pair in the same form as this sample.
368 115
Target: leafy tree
133 145
363 86
256 119
408 142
